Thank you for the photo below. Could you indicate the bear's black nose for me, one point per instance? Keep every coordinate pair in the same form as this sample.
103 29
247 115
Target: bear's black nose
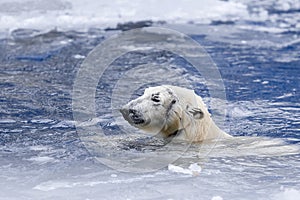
129 112
132 111
135 116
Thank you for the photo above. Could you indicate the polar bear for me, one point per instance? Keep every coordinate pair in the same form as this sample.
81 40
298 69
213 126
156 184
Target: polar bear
172 111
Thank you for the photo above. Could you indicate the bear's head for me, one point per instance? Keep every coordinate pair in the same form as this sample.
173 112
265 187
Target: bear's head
172 111
159 110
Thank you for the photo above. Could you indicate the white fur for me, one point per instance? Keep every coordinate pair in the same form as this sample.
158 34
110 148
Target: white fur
188 116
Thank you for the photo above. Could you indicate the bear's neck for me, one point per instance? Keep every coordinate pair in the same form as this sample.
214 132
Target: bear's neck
170 131
173 134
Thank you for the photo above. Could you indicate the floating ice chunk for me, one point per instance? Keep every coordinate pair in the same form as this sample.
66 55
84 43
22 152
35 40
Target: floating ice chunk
217 198
194 169
178 169
77 56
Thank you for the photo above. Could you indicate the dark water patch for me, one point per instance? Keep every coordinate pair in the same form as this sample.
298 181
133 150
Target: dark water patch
39 58
131 25
219 22
281 11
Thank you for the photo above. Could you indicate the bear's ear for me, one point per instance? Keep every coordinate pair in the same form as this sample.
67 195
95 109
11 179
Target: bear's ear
197 113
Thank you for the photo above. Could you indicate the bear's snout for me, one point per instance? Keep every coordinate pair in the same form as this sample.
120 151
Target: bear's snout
133 116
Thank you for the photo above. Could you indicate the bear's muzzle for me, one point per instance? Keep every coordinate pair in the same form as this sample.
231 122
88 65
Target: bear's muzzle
133 116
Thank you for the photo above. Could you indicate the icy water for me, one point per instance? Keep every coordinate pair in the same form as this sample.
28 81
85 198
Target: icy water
42 156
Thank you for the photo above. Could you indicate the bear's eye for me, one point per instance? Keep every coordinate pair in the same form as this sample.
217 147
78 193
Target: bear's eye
155 98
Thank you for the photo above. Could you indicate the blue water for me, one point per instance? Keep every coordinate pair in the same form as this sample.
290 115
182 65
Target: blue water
40 150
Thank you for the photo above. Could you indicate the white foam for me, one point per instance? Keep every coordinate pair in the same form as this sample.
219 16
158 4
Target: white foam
41 159
42 121
285 95
7 121
64 124
51 185
54 185
39 148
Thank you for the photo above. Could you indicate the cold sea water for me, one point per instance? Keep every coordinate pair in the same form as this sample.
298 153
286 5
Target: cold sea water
44 156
